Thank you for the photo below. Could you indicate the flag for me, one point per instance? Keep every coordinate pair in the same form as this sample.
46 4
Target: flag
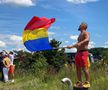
35 34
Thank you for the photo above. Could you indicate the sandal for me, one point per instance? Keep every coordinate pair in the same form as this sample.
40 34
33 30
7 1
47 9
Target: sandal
86 84
78 84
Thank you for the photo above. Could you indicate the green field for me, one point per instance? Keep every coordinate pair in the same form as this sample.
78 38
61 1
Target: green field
46 81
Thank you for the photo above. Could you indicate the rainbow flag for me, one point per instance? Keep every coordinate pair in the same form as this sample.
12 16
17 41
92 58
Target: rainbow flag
35 35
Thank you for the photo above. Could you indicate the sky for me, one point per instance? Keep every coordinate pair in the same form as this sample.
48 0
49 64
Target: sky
15 14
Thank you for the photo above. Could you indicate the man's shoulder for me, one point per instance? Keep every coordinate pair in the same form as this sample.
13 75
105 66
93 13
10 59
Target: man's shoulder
86 33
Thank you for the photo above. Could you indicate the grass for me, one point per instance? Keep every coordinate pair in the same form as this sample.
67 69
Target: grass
45 81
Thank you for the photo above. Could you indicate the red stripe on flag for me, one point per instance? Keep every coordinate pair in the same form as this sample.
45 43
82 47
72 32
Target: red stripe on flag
37 22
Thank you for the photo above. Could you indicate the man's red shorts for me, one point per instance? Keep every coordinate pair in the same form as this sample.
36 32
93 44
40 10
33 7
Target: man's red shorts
82 59
11 69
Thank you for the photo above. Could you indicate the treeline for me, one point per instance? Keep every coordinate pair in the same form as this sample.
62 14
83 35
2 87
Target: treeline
50 60
100 53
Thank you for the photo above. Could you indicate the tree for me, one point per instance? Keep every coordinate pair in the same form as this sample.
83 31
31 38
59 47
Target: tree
55 58
100 53
38 61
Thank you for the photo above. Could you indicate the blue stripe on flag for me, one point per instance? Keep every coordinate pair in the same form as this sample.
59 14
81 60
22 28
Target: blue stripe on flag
38 44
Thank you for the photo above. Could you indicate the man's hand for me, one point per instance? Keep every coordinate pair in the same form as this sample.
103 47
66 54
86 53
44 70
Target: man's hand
78 44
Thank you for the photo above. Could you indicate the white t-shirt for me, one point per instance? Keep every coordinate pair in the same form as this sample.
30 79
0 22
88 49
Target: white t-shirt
11 59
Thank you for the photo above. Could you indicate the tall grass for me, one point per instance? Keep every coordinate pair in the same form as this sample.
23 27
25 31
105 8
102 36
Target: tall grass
48 81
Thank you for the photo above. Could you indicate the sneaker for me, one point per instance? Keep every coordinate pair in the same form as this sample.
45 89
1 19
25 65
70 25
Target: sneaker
6 81
12 81
78 84
86 84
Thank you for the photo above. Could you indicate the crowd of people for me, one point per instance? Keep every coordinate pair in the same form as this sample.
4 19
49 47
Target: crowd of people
7 66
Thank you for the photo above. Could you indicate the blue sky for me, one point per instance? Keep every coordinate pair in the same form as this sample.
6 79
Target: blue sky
14 15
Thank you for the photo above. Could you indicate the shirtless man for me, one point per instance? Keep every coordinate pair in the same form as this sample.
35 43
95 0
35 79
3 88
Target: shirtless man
81 57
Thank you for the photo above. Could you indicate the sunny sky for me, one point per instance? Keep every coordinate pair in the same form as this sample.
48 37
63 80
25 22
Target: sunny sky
14 15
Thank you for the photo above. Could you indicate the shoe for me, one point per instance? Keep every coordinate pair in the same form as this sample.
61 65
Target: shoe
6 81
12 81
86 84
78 84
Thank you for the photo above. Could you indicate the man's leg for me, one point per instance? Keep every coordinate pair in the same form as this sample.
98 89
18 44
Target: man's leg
86 71
85 64
78 70
86 83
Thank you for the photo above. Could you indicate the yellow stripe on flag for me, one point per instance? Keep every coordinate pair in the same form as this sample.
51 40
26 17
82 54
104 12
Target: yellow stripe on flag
34 34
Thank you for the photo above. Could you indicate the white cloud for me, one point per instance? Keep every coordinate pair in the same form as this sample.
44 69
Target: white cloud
2 44
91 45
66 41
15 38
11 42
106 45
81 1
74 37
25 3
15 41
51 33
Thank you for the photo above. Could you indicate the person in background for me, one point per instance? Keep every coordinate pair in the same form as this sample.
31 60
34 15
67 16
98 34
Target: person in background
91 58
6 65
1 65
12 66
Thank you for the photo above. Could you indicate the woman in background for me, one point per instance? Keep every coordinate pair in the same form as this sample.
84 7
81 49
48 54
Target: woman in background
6 63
